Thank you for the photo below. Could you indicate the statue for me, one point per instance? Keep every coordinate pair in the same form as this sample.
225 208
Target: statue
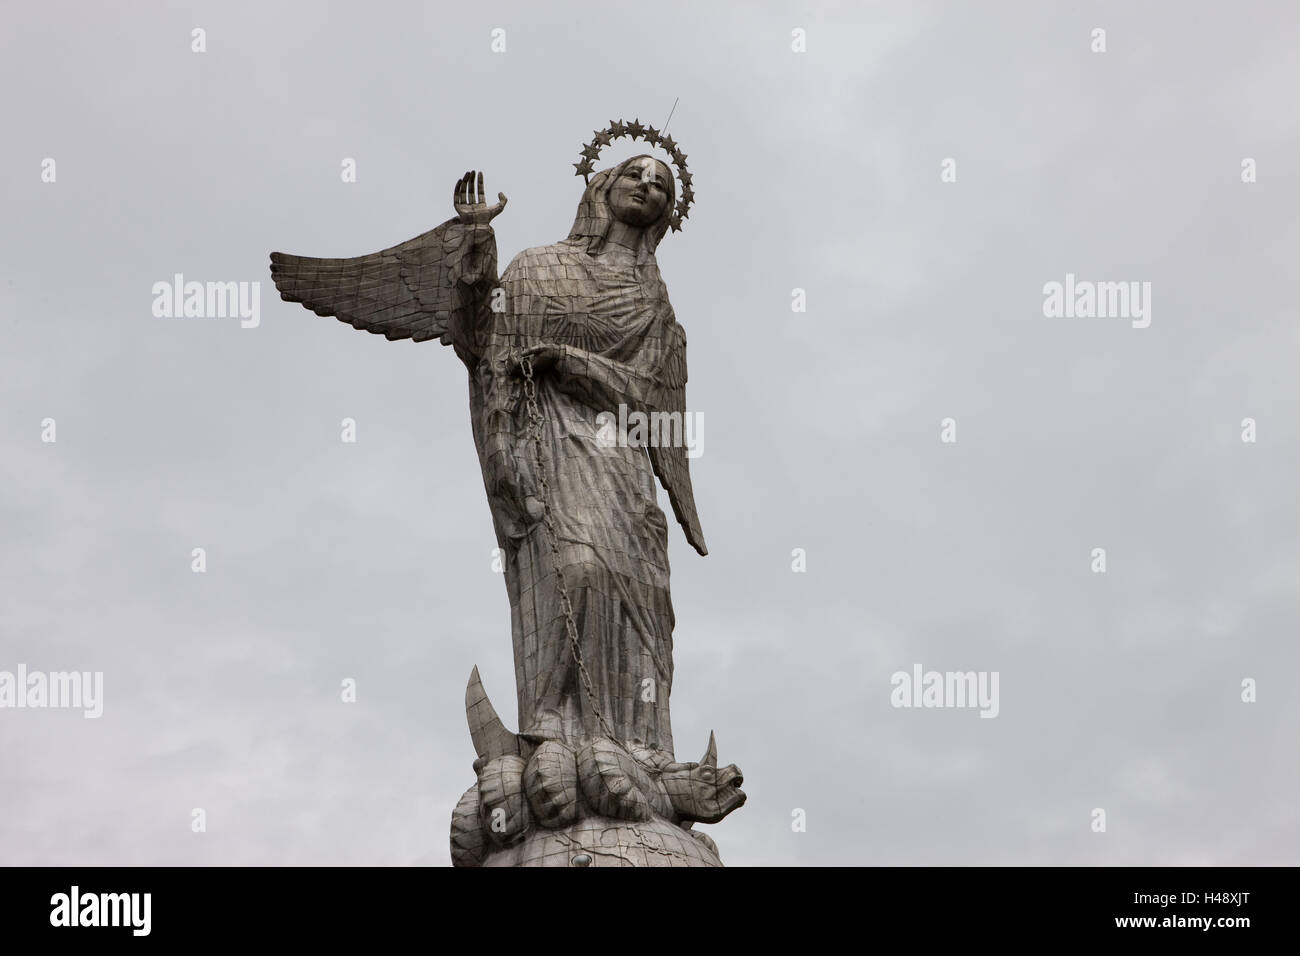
570 331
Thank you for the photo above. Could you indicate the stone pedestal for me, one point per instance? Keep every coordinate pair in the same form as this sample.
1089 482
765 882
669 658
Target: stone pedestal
606 841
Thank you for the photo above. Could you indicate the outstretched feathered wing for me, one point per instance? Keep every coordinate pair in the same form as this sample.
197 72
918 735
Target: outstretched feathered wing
429 287
670 461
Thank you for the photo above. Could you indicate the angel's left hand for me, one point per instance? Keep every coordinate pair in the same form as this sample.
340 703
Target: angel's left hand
470 201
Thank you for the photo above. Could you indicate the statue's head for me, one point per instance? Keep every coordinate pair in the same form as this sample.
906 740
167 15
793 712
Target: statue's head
642 191
639 192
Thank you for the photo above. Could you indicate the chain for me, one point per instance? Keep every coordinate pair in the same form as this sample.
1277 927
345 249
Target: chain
570 626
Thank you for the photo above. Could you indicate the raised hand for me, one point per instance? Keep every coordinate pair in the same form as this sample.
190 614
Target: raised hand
470 202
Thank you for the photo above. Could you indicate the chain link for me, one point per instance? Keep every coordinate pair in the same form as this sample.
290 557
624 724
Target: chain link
537 421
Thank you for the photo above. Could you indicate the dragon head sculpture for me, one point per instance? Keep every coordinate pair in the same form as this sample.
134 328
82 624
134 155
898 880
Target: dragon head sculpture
700 791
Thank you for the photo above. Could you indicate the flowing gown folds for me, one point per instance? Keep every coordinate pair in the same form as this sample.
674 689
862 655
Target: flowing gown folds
612 317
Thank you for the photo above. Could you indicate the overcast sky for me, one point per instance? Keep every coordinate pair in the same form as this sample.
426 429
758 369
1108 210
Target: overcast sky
817 170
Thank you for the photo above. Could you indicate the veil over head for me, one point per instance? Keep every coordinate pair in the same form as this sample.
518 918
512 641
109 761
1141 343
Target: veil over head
594 215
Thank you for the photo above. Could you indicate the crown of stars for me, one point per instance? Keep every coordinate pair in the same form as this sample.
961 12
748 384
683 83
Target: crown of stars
618 129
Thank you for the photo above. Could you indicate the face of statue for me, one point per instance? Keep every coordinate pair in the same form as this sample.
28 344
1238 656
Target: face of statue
639 195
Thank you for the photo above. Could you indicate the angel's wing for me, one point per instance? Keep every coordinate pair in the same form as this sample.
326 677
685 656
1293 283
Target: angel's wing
670 462
428 287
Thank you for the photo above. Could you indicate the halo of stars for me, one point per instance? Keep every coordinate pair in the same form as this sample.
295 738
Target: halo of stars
616 130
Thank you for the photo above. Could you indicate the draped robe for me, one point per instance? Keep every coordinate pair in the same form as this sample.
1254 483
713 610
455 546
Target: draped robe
622 346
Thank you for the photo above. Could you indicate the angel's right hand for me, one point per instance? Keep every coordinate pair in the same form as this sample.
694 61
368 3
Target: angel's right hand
469 200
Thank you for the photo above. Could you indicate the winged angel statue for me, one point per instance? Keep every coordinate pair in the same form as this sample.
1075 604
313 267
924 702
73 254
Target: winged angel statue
571 330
